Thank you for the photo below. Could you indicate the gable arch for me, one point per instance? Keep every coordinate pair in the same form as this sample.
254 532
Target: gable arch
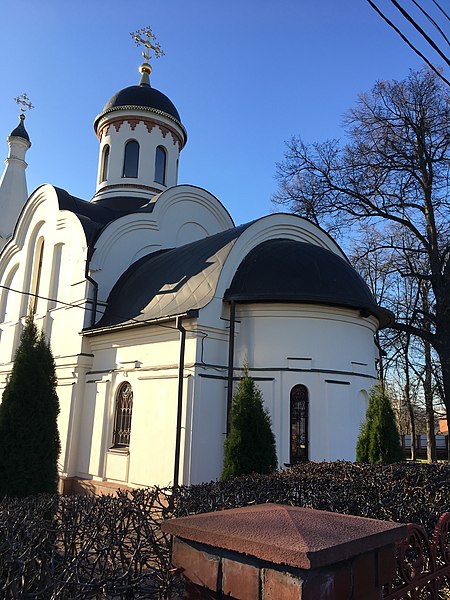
5 296
275 226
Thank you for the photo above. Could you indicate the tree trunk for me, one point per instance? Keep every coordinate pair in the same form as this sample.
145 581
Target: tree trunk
427 381
428 393
444 358
407 396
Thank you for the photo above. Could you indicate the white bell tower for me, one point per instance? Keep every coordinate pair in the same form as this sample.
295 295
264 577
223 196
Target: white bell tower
13 184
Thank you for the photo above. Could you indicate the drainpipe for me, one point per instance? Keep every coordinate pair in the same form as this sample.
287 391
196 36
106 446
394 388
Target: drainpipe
182 330
230 362
95 298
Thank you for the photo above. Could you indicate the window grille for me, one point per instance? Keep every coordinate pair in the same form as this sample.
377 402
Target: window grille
122 417
299 424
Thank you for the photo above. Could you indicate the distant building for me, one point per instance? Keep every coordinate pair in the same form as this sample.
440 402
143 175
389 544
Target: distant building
153 300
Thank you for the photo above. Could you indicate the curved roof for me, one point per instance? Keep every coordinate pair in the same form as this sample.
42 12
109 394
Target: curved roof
169 282
285 270
172 282
140 97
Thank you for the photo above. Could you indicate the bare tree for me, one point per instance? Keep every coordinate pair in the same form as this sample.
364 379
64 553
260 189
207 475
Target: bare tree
394 170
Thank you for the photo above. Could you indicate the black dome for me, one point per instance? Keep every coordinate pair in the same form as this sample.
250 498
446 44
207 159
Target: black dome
145 96
283 270
20 131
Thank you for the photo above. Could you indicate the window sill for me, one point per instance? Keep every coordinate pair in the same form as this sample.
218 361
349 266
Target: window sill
119 450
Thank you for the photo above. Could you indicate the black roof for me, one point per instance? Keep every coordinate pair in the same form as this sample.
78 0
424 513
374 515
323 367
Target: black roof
141 96
284 270
171 282
94 216
20 131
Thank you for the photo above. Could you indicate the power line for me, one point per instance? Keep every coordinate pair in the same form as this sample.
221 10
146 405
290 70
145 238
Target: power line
410 44
84 308
38 296
420 30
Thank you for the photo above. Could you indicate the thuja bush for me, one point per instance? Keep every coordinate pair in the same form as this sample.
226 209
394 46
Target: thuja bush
29 439
250 446
379 441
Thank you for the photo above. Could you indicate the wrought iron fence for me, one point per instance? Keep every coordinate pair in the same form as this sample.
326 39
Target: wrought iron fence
423 565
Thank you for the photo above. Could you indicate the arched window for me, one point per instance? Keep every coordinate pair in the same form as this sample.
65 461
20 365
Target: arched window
299 424
131 159
160 165
105 164
37 273
122 416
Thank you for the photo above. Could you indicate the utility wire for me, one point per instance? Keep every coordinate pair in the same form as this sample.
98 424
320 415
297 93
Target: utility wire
430 18
422 32
405 39
441 9
83 307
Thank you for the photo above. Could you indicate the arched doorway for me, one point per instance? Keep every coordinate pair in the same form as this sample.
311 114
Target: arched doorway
299 408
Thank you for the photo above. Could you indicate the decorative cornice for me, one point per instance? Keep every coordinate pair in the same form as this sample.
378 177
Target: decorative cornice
150 124
127 186
102 117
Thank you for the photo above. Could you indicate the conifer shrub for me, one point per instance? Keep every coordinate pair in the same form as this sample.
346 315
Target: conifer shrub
250 446
379 440
29 438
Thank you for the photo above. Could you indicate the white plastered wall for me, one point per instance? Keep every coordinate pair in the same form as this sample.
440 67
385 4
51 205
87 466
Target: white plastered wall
62 277
147 358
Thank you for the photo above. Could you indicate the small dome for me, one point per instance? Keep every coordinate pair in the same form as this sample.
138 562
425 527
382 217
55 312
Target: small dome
283 270
140 97
20 130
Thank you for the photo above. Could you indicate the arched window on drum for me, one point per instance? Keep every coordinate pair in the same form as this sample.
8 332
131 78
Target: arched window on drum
105 164
160 165
131 159
299 409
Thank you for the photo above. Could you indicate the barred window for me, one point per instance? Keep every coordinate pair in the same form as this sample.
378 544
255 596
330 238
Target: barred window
122 417
299 424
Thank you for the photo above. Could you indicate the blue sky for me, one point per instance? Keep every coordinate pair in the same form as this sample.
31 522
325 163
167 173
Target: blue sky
244 75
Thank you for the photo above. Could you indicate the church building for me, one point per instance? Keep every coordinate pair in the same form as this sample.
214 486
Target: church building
153 300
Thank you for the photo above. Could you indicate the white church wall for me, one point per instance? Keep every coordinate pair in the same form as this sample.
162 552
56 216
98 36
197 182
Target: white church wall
42 226
152 444
332 338
148 359
208 429
316 347
65 397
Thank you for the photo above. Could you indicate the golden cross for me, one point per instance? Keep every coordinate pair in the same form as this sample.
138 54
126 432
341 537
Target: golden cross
25 102
147 38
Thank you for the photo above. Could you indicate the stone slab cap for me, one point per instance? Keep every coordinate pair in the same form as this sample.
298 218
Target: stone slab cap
287 535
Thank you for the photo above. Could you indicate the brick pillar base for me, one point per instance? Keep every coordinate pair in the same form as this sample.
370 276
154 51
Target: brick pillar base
275 552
